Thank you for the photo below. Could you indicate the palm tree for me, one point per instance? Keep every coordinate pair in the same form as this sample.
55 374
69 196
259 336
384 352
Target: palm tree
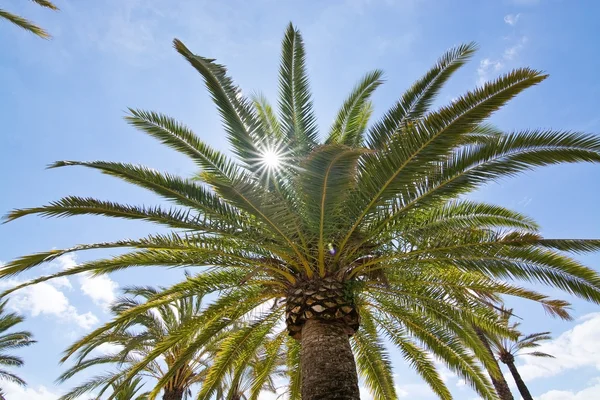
506 350
498 380
368 228
26 24
134 340
11 341
137 337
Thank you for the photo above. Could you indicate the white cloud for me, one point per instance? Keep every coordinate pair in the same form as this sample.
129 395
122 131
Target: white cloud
512 19
589 393
576 348
100 289
45 299
486 67
14 391
489 67
513 51
61 282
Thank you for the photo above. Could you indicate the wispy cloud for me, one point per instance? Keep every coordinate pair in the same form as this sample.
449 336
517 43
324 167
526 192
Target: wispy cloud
13 391
512 19
513 51
576 348
492 66
45 299
485 69
590 393
525 201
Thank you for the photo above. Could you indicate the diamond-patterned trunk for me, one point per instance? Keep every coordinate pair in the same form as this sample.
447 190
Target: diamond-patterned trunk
322 299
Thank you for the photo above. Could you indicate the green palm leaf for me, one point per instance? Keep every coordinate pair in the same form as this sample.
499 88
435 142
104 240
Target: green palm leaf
297 119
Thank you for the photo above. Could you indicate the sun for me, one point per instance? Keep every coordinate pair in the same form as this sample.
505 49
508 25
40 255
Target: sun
271 159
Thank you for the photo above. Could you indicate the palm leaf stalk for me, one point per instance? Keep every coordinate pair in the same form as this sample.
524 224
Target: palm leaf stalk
371 224
27 24
506 349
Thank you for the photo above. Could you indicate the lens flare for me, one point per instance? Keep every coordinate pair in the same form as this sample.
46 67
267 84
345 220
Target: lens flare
271 159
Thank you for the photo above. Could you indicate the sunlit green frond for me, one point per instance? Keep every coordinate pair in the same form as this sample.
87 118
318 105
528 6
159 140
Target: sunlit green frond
373 361
24 23
293 369
236 350
416 101
330 172
46 3
350 122
417 358
449 340
268 118
182 139
11 341
200 331
102 382
72 205
266 368
243 128
182 191
297 118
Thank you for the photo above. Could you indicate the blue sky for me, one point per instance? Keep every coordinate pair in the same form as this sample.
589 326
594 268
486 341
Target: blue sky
65 98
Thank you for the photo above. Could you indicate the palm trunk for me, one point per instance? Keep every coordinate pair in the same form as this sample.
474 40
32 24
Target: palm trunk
327 362
520 384
173 394
499 382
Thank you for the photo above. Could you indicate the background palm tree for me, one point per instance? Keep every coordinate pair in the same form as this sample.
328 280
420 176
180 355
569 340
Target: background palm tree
258 376
133 341
26 24
367 228
138 336
506 349
11 341
498 380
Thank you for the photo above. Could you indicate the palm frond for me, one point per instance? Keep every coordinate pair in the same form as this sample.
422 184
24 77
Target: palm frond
350 122
25 24
417 100
242 127
297 119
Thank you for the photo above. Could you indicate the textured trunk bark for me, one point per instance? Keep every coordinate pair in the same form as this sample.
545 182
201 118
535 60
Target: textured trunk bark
520 384
327 362
499 382
173 394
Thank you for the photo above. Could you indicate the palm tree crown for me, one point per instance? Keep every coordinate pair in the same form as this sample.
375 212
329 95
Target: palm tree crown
137 338
506 348
368 228
11 341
